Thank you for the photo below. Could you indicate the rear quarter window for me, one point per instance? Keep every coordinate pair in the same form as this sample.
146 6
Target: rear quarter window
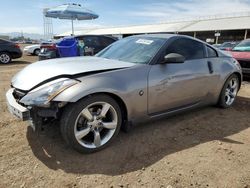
211 52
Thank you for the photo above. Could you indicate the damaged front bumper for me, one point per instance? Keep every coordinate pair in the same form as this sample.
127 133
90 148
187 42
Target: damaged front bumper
37 117
15 108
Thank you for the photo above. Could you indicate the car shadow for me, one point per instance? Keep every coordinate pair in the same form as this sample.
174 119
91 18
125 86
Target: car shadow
20 62
147 143
16 63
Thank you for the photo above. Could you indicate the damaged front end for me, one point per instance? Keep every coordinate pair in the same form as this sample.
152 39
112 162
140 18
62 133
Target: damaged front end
36 105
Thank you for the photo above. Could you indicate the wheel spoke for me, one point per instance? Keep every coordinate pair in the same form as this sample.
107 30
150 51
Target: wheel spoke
227 99
109 125
86 113
80 134
97 138
232 94
234 85
105 109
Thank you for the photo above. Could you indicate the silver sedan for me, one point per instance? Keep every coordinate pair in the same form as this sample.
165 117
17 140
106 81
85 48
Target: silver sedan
133 80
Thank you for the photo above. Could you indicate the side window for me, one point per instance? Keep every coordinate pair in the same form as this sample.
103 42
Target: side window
91 41
105 41
211 52
189 48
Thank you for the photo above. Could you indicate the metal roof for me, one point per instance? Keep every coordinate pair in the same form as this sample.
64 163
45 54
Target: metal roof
219 24
208 24
152 28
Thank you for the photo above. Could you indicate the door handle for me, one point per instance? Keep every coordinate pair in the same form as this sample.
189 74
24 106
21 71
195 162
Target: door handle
210 67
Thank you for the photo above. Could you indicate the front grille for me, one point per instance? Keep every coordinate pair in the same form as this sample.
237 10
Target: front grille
244 63
18 94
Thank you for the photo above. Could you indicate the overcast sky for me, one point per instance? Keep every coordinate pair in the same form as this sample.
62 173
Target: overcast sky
26 15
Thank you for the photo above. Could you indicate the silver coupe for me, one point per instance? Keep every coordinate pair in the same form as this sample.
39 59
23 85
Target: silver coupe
133 80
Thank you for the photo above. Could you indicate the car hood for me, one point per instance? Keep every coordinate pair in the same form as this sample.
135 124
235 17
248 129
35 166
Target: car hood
38 72
240 55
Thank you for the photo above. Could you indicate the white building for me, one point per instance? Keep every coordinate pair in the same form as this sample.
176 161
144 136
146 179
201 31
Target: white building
227 28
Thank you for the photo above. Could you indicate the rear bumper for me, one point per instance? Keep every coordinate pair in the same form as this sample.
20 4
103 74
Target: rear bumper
47 55
17 55
16 109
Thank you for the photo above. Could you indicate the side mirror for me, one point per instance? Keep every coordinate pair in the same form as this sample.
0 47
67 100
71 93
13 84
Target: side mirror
174 58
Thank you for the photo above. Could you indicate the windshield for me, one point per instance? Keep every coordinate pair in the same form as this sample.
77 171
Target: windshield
228 44
133 49
243 46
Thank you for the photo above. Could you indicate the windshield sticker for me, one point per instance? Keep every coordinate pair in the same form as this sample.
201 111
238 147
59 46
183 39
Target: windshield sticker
144 41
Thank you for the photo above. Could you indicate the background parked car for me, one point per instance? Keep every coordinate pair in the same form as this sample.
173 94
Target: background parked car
216 45
9 51
95 43
33 49
48 50
241 52
92 45
228 45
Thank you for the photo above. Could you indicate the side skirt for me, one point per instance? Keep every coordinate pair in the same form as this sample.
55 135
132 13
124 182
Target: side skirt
175 110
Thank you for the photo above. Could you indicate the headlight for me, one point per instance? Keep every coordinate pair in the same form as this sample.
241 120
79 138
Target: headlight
42 95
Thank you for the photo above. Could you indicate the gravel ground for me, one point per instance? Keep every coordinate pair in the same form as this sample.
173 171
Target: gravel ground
208 147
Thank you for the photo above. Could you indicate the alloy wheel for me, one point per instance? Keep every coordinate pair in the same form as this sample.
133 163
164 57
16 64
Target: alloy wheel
231 91
4 58
96 124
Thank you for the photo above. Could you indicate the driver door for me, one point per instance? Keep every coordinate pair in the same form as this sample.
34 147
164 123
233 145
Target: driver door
179 85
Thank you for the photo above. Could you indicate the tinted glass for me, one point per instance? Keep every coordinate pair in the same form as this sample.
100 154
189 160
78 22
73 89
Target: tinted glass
91 41
133 49
211 52
190 49
105 41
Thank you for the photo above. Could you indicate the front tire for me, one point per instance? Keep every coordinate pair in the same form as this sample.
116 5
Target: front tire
229 91
91 124
5 58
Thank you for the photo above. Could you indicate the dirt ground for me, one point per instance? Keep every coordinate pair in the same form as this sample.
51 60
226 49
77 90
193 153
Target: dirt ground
209 147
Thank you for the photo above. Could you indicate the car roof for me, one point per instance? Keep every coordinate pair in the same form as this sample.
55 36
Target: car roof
4 40
167 36
78 36
247 39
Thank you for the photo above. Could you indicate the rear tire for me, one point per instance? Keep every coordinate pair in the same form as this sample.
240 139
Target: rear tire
229 92
5 58
36 52
91 124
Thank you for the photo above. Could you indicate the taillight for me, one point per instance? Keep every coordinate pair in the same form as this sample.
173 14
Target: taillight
49 46
16 45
